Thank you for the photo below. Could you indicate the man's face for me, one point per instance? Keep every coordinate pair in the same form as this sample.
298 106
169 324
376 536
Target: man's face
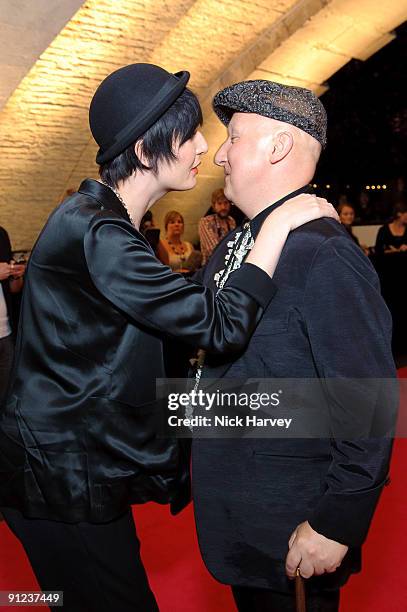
244 157
222 208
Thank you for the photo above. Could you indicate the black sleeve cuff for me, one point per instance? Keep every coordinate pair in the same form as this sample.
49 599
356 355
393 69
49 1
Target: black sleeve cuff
255 282
345 518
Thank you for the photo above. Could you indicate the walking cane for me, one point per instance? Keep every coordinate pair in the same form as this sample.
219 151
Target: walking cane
300 604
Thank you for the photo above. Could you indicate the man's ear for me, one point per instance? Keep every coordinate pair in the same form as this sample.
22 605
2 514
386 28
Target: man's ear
280 146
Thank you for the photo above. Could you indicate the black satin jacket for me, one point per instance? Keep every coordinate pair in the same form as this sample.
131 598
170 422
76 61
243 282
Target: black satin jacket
80 432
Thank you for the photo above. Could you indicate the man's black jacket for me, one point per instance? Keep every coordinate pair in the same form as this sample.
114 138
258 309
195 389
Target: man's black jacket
327 320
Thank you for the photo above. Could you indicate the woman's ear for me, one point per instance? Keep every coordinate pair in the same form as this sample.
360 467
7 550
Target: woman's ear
280 146
138 149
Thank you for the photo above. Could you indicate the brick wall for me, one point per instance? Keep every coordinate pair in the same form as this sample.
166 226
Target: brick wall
45 143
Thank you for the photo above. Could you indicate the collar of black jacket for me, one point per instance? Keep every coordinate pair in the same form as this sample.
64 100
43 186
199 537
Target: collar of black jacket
104 195
257 221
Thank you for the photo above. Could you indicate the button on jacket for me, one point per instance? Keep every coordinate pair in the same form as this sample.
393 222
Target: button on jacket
80 433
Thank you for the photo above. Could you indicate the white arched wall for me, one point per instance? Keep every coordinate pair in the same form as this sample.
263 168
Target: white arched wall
45 144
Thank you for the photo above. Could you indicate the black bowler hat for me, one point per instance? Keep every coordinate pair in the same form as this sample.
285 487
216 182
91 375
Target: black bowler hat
128 102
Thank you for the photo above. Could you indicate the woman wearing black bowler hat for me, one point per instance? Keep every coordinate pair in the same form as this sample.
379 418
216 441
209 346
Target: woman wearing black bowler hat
79 434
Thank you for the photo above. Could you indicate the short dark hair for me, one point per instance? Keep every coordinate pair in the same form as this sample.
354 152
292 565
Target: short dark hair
399 208
344 205
178 123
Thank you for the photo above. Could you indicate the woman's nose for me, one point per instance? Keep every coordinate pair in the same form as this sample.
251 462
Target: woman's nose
201 144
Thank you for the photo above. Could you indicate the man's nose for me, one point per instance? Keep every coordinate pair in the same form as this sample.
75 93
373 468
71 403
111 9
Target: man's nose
221 155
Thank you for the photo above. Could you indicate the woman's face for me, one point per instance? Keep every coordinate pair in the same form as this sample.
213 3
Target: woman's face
180 174
175 227
403 218
347 215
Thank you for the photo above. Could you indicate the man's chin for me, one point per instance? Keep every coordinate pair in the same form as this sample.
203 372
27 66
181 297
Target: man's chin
227 190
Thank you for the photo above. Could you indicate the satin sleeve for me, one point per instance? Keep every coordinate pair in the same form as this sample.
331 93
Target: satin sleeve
127 273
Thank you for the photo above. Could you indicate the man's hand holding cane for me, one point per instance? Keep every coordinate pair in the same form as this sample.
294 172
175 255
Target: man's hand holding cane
312 553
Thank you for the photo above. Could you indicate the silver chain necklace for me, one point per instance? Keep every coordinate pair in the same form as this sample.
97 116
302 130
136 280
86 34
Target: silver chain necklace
119 197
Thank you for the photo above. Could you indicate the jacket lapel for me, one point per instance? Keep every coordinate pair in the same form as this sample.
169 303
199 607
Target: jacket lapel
216 366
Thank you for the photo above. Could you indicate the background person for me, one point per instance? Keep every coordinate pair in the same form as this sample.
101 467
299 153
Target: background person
178 250
152 233
391 263
392 237
213 228
347 216
11 277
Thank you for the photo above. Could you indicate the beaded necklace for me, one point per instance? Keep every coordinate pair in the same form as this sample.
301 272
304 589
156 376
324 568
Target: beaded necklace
174 248
119 197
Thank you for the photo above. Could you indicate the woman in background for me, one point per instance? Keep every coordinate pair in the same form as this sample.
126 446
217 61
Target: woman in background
392 237
347 216
152 234
178 250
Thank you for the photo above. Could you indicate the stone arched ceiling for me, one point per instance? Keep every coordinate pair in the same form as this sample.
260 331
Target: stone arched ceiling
45 143
27 28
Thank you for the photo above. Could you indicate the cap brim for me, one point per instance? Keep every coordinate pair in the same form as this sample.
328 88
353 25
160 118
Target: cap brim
225 106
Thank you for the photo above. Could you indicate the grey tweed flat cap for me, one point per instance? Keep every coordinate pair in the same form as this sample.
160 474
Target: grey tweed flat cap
294 105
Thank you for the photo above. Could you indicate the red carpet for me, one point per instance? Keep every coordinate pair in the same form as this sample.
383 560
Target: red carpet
182 584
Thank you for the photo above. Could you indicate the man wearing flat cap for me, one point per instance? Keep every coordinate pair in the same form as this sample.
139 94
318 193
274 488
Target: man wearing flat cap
269 508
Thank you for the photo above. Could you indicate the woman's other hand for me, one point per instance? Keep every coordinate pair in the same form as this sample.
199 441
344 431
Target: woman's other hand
302 209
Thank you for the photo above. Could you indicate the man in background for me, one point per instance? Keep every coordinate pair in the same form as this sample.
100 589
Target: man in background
11 281
213 228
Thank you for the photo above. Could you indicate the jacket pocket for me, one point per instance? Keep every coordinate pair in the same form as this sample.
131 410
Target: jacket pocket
272 325
125 439
56 477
